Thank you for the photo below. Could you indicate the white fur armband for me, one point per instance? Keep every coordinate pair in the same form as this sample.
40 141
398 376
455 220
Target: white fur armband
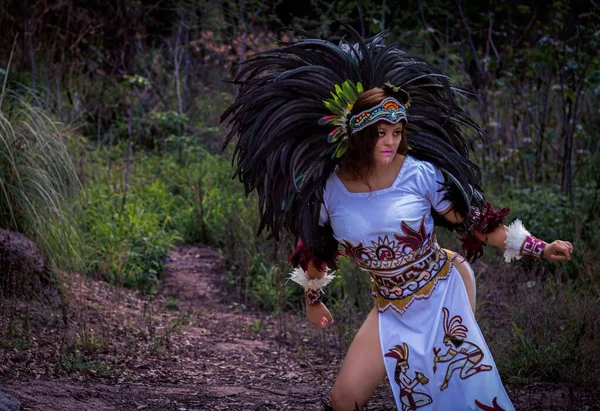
517 233
299 276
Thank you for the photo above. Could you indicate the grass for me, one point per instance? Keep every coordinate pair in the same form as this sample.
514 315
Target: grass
127 245
77 362
539 326
555 335
256 326
14 343
172 303
87 341
37 181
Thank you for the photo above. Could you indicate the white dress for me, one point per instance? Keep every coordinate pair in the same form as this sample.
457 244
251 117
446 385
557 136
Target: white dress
435 355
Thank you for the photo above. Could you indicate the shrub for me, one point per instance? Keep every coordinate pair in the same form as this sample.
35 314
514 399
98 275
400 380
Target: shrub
128 245
548 213
555 334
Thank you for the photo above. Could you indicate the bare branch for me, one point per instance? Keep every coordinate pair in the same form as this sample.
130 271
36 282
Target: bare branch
8 70
470 35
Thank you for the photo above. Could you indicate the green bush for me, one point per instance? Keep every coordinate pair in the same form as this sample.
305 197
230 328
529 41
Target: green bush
555 333
548 213
128 245
230 220
267 286
187 196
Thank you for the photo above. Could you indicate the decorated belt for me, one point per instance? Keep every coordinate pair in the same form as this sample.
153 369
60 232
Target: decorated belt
397 290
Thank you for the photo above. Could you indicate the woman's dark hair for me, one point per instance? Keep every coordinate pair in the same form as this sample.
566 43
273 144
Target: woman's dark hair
357 162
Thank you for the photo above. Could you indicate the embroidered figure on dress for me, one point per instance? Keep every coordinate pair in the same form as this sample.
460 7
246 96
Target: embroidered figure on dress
415 243
455 334
494 407
410 399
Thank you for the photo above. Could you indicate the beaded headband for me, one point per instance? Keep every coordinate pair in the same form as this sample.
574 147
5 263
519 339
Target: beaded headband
390 110
341 102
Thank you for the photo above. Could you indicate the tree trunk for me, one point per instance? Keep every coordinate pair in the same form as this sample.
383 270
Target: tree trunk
129 151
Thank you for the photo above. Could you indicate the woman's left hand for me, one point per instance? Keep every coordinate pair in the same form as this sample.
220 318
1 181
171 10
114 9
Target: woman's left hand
558 251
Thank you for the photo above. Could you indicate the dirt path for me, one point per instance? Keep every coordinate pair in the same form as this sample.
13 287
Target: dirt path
191 349
187 348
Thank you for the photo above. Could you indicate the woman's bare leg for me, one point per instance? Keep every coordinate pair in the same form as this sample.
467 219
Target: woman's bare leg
362 370
468 277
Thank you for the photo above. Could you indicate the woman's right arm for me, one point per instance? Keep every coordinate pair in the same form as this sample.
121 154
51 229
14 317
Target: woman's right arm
317 314
557 250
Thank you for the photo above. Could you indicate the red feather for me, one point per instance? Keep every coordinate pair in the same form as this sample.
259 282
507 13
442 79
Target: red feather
485 222
302 255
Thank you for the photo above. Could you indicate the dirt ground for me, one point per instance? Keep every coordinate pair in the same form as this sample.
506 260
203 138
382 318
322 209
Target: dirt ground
187 348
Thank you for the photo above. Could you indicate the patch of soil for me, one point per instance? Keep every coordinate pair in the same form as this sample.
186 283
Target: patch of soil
187 348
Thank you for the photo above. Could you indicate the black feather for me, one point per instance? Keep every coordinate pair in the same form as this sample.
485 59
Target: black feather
282 152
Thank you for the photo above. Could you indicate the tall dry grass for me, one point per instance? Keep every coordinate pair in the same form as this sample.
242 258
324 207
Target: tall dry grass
37 180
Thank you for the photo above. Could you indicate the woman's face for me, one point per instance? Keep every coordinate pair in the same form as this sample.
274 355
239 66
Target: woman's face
390 136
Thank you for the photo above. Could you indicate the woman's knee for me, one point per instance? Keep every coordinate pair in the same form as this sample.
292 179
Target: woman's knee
343 399
362 370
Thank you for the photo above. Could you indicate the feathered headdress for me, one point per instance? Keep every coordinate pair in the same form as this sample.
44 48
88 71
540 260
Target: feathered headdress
399 352
291 121
453 327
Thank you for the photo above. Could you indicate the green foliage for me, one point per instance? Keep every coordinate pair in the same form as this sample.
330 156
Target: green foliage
16 335
87 341
256 326
77 362
14 344
172 303
542 359
174 197
549 213
555 335
230 220
134 80
168 122
350 292
37 178
229 216
267 286
127 245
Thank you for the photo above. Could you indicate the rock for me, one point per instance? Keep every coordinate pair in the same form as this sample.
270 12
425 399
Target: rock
9 402
23 270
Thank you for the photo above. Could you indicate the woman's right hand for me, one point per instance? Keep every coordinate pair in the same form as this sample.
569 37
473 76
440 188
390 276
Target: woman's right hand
558 251
318 315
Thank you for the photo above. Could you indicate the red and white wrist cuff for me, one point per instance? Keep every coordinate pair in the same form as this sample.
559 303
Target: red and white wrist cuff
520 242
313 292
313 297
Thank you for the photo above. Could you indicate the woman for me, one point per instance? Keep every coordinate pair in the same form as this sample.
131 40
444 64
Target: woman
362 145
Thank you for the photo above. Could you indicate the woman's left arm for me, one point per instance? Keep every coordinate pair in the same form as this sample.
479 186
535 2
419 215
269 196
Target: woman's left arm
522 242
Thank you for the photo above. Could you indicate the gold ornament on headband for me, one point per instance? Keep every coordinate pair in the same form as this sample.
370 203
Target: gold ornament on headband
397 92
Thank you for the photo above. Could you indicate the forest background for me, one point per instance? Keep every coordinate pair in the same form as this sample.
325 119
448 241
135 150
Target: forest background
110 150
